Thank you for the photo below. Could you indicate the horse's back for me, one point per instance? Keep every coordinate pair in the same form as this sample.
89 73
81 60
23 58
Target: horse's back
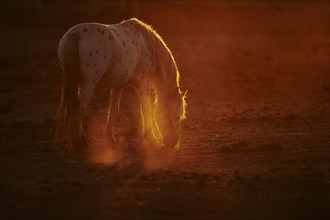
118 51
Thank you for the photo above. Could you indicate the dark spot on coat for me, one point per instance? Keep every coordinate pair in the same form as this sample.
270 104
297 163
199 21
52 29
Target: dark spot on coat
98 29
96 52
100 41
85 29
111 38
90 54
96 72
124 43
87 64
102 32
104 57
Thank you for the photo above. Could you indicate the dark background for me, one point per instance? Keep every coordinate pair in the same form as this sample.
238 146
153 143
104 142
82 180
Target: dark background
256 141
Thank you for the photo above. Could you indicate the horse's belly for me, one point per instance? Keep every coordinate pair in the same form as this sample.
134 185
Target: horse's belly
117 77
122 67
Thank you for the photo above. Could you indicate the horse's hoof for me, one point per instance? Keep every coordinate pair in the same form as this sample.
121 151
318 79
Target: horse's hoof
154 143
111 141
80 145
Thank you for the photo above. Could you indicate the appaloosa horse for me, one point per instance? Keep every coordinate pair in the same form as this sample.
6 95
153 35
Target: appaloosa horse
128 53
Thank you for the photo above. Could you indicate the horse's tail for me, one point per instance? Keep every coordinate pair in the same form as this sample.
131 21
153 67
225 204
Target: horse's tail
68 116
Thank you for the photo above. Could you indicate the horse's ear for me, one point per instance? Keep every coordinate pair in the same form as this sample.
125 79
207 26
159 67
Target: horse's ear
184 93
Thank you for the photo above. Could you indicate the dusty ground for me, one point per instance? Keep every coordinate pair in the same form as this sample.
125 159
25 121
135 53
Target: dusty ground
255 144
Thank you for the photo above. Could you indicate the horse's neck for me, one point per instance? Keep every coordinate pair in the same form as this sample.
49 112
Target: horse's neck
165 84
167 78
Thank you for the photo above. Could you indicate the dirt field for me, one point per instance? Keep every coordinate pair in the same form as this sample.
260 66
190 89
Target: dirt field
256 142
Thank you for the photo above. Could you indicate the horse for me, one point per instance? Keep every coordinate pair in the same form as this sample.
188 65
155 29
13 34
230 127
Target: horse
129 53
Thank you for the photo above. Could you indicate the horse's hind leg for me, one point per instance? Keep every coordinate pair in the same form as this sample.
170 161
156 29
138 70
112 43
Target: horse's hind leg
113 111
86 93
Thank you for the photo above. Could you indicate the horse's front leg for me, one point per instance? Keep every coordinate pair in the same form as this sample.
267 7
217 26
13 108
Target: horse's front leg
113 111
148 120
153 101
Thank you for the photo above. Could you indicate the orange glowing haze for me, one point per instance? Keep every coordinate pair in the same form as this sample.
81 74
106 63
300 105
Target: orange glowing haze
255 142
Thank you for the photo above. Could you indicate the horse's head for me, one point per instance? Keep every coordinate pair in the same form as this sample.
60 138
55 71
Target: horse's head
173 112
